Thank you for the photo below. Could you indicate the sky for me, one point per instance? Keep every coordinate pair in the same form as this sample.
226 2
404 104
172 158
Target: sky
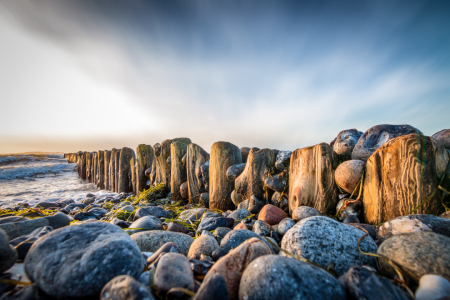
93 75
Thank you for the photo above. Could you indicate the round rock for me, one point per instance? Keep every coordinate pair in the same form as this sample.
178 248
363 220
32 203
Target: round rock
345 142
433 287
125 287
173 270
348 174
205 244
271 214
146 223
8 255
285 225
277 277
78 260
303 212
323 240
151 241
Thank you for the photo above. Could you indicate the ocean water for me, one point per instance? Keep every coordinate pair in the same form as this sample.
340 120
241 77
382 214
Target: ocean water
35 178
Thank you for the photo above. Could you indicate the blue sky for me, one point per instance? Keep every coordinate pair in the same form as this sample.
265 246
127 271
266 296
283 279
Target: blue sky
90 75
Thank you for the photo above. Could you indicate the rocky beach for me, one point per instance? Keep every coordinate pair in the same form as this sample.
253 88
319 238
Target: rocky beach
365 216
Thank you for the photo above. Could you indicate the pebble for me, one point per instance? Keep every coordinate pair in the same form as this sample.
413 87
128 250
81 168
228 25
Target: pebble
220 233
213 287
285 225
205 244
239 214
151 241
173 270
125 287
146 223
213 223
271 214
303 212
433 287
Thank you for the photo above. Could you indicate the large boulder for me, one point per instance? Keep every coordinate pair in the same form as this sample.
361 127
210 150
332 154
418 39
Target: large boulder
232 265
78 260
419 253
401 175
277 277
311 180
323 240
345 142
151 241
377 136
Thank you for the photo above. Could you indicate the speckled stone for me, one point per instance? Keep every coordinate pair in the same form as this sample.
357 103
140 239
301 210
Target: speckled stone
303 212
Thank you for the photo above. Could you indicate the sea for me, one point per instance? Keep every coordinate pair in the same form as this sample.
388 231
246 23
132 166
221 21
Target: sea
34 178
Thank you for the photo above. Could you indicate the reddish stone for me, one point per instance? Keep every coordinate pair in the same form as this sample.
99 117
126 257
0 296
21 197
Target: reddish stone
240 226
271 214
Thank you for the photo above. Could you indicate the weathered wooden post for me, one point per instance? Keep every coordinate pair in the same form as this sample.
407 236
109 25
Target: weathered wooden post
82 166
95 165
125 180
88 166
116 170
223 155
106 171
195 157
112 170
311 181
178 169
101 169
145 157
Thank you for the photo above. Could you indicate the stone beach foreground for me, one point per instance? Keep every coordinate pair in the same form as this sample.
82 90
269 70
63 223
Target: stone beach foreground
364 217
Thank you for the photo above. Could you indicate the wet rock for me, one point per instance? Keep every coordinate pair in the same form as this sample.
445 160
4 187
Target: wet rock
348 175
234 263
13 219
323 240
255 204
24 242
433 287
271 214
94 253
413 223
345 142
88 201
280 201
244 153
205 244
352 208
220 233
303 212
361 283
73 205
234 171
366 227
277 182
278 277
83 216
210 214
200 267
152 240
146 223
213 287
184 190
377 136
46 205
125 287
239 214
420 253
127 208
283 159
155 211
173 270
98 212
8 255
213 223
285 225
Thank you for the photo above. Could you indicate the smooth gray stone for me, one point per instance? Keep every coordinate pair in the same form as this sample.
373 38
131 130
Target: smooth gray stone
361 283
213 287
204 199
377 136
98 212
236 198
193 214
28 240
151 241
234 171
283 160
433 287
155 211
125 287
277 277
14 230
220 233
8 254
303 212
277 182
78 260
236 237
173 270
255 204
285 225
210 214
45 205
345 142
435 223
323 241
144 278
13 219
263 229
213 223
166 248
239 214
71 206
244 204
419 252
147 223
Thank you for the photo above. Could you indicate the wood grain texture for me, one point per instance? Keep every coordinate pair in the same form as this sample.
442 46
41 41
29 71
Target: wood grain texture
133 172
400 175
116 171
251 180
88 166
94 165
112 170
101 169
223 155
195 157
177 169
82 166
311 181
125 184
145 157
106 171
